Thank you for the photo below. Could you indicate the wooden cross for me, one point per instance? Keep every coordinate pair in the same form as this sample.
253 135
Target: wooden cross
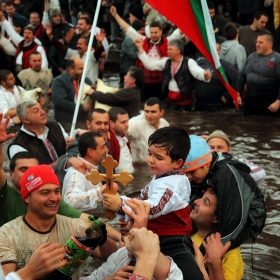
95 177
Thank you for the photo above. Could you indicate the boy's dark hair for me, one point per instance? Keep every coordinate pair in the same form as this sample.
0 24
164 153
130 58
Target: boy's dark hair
95 110
156 24
20 155
210 5
260 13
114 112
153 101
175 140
230 31
87 140
137 74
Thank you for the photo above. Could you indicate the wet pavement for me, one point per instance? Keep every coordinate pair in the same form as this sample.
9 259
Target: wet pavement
256 138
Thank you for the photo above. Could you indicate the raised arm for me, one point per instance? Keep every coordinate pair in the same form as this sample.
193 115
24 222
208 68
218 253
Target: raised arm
122 23
3 138
99 48
57 44
45 19
16 38
149 64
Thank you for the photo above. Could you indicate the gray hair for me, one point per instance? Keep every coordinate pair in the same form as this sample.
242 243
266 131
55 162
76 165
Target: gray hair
23 106
178 44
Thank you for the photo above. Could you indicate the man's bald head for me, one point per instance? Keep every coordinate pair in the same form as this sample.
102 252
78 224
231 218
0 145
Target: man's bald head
75 67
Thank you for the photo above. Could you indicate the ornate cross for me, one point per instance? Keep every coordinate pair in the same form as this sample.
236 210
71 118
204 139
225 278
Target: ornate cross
95 177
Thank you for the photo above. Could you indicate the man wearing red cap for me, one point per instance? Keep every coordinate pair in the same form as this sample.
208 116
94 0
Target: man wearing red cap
41 192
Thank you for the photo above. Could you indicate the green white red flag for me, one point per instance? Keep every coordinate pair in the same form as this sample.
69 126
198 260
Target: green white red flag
192 17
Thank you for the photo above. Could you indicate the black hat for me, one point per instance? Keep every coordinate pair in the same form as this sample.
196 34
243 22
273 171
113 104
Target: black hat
138 24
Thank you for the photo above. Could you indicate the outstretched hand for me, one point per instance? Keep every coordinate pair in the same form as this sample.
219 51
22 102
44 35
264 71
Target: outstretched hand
48 30
3 134
102 34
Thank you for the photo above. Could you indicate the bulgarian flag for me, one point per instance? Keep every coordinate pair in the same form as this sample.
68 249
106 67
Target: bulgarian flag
192 17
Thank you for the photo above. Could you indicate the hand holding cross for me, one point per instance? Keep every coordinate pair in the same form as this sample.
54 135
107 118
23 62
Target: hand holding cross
124 178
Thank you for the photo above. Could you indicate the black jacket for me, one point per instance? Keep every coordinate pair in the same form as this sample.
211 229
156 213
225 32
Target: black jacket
240 204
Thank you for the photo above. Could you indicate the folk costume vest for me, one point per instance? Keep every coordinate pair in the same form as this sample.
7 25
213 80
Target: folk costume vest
184 80
153 77
26 52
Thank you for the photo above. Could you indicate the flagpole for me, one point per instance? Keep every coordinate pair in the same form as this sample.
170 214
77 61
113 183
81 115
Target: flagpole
88 53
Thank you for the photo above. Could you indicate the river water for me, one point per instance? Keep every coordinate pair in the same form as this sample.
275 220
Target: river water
256 138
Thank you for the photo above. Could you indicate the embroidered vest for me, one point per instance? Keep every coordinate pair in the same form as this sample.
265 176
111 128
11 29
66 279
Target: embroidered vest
183 78
26 52
153 77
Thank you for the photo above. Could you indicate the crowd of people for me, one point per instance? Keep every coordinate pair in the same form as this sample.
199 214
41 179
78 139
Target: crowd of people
201 204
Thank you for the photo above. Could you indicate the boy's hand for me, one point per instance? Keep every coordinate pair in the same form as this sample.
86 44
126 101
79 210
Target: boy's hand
111 202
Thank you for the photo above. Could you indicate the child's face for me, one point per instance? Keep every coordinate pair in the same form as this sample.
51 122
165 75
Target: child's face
199 174
159 162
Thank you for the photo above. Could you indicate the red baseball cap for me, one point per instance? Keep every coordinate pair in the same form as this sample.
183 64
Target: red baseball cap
35 177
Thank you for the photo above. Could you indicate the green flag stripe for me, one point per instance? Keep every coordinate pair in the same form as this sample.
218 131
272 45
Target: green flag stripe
221 70
197 10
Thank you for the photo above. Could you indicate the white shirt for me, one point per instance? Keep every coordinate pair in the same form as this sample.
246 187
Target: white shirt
133 34
9 100
139 131
120 259
10 276
16 38
156 190
7 46
79 192
196 71
14 149
153 53
125 161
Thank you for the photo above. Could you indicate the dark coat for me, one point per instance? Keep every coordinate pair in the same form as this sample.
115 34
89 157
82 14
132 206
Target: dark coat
63 95
241 209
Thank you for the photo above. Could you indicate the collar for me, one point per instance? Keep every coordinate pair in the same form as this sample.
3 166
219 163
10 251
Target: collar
179 171
27 44
155 43
46 130
2 88
40 232
91 165
68 76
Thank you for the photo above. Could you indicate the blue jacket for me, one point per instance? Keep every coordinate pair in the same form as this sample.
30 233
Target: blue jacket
22 20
